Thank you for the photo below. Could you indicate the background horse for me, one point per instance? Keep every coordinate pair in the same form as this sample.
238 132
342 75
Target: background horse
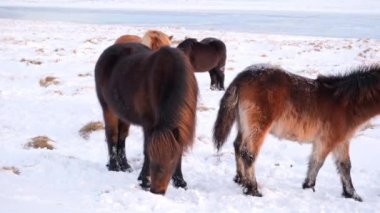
153 39
128 38
325 112
153 89
207 55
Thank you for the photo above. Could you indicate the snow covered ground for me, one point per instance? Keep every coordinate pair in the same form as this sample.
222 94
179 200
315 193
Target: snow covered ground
338 6
73 177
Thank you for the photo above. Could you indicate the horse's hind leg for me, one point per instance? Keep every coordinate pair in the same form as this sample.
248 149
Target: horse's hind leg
254 123
214 79
111 127
317 158
122 158
239 161
177 178
219 78
343 164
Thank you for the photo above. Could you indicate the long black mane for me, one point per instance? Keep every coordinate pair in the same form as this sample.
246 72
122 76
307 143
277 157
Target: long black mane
360 85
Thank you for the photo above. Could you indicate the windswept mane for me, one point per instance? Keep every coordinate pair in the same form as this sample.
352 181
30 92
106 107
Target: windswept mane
360 85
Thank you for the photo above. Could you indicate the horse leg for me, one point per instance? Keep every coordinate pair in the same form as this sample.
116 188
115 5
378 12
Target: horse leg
317 158
122 158
254 126
220 78
177 178
214 80
111 128
144 175
239 161
343 164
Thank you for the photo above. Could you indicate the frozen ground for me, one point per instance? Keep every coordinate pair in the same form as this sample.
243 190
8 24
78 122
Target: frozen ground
73 176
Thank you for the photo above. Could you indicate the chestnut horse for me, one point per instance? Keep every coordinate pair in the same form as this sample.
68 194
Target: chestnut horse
325 112
128 38
153 39
156 90
207 55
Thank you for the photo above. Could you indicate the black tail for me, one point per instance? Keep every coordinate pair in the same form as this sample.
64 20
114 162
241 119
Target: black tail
226 115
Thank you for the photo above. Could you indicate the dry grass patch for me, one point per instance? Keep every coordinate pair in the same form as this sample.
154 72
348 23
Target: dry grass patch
90 127
40 142
48 80
29 61
12 169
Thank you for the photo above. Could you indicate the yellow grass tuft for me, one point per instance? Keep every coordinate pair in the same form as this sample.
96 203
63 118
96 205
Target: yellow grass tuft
90 127
40 142
48 80
12 169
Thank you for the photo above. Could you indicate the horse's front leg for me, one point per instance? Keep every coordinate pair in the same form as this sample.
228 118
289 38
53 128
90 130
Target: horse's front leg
343 164
317 158
177 177
144 175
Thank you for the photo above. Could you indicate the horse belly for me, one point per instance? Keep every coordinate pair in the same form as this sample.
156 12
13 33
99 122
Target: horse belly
296 129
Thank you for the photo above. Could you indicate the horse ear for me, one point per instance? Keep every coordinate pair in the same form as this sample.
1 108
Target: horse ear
171 37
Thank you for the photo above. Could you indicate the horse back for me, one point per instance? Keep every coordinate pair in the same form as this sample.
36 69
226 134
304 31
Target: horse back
294 106
207 54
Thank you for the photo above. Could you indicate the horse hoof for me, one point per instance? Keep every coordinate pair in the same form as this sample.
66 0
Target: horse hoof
145 184
237 179
179 183
353 196
308 185
252 192
126 168
112 166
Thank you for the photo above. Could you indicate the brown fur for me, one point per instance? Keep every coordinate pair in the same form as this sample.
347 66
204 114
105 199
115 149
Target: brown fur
155 39
156 90
128 38
210 55
325 112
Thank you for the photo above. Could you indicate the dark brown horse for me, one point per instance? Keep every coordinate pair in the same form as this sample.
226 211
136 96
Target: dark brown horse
156 90
325 112
207 55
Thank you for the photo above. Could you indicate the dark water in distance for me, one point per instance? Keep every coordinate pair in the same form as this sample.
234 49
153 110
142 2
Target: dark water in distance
271 22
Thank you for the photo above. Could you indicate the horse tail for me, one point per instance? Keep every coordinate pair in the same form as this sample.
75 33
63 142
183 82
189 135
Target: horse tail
178 96
226 115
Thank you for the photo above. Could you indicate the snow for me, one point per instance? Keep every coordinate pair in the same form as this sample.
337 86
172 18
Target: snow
337 6
73 177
